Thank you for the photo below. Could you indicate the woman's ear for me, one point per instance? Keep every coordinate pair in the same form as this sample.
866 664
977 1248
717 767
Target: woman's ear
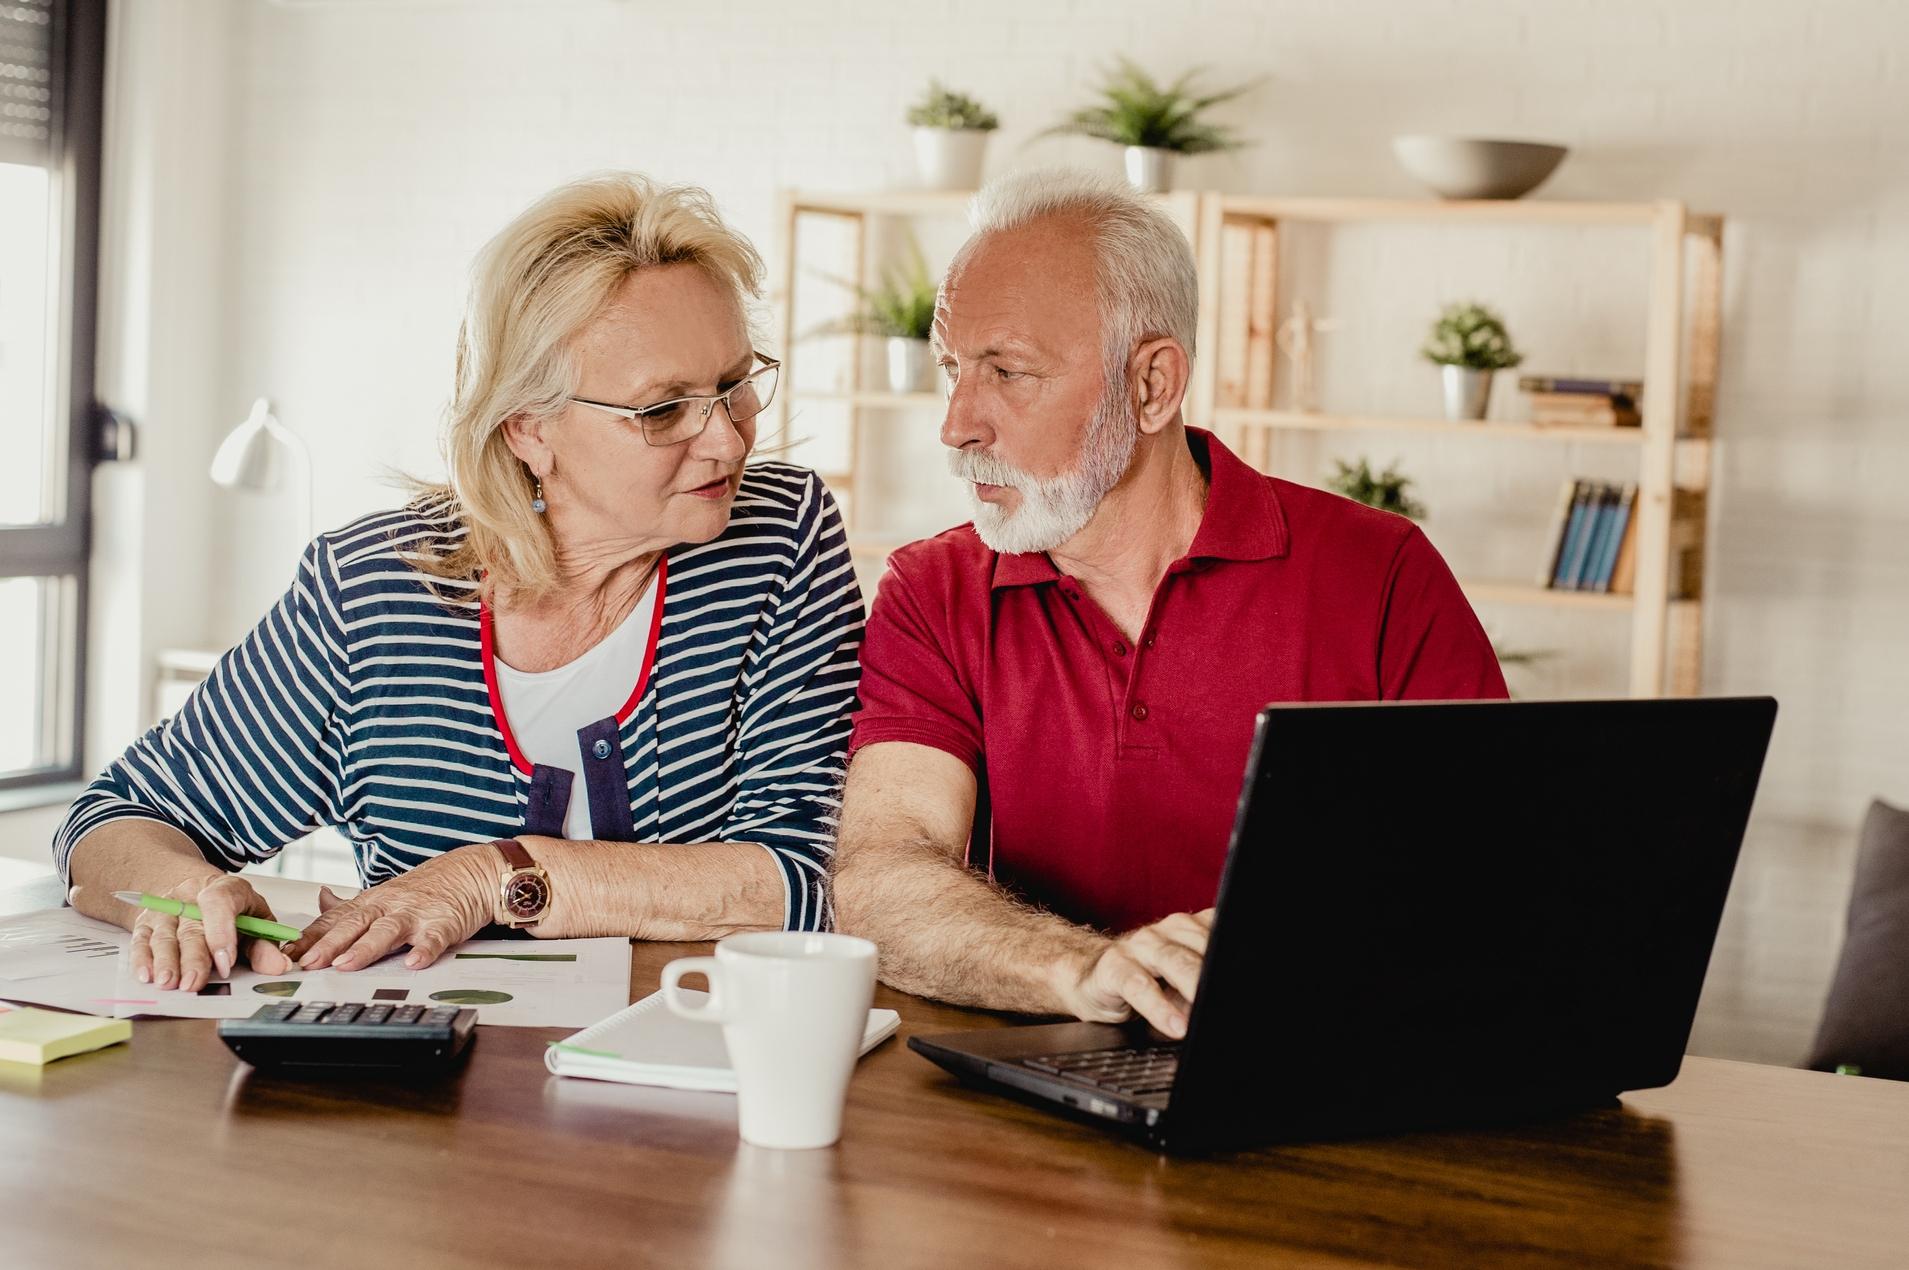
1161 372
524 434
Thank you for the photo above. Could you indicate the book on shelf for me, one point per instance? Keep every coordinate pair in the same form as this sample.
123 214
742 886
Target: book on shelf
1624 568
1603 508
1579 386
1577 536
1560 525
1592 543
1603 566
1583 411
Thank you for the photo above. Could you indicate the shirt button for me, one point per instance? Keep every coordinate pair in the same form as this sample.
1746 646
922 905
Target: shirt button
601 749
1140 713
1147 642
1120 649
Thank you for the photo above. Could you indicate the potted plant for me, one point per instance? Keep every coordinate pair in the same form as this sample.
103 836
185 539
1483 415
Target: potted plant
951 135
1152 122
1511 660
1468 342
1385 491
900 310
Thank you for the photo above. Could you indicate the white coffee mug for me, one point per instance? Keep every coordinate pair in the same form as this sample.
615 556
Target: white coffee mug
793 1008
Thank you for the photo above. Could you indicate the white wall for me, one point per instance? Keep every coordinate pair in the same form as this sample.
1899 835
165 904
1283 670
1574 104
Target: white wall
369 149
163 308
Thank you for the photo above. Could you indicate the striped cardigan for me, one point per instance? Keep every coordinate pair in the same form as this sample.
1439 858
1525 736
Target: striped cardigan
362 700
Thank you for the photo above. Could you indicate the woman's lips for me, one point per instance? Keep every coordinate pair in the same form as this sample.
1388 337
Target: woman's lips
717 488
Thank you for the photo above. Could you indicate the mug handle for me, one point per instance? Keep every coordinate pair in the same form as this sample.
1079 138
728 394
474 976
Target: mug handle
709 1012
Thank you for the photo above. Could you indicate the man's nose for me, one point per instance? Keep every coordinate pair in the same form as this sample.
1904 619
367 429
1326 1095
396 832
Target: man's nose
964 424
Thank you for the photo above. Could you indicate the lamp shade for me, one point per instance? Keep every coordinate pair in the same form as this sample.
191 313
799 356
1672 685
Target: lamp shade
252 456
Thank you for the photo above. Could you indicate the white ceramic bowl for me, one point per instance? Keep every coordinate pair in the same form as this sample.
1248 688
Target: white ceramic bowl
1464 167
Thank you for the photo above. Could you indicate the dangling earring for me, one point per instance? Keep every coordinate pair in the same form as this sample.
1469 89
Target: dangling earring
537 503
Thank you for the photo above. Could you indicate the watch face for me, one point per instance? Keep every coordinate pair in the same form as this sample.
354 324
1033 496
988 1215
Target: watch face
526 895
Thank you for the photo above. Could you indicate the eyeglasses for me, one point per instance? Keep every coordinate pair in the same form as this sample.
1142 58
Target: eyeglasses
683 419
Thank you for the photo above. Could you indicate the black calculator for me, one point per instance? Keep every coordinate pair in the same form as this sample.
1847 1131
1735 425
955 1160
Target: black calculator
318 1037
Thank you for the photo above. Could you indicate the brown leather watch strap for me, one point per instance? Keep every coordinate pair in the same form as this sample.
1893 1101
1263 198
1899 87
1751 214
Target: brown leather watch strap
514 854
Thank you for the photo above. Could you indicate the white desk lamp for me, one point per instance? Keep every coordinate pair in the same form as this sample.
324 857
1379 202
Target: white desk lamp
253 457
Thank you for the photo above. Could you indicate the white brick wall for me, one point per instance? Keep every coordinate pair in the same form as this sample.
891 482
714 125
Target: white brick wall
371 147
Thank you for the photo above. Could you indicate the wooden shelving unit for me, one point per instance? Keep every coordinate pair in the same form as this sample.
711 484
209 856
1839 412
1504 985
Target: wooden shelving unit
1673 445
856 211
1672 448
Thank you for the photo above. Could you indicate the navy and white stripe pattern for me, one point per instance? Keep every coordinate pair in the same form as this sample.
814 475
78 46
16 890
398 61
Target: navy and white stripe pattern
360 701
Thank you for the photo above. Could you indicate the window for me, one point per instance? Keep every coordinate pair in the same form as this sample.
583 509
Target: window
52 55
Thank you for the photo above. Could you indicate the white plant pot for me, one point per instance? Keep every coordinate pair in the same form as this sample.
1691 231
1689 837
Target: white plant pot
950 158
911 365
1467 392
1149 170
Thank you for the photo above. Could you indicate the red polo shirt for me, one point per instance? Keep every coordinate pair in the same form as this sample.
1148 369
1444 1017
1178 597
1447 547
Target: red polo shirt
1112 771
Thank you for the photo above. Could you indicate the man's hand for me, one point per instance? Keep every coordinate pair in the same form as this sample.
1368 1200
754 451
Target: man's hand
1154 970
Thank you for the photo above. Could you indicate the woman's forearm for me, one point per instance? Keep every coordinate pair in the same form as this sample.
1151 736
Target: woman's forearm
132 855
659 891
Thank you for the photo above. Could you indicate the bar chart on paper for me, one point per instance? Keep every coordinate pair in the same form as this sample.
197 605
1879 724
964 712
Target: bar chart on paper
551 983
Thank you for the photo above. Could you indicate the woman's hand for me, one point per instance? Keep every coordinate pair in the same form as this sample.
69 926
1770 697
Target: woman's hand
443 901
179 952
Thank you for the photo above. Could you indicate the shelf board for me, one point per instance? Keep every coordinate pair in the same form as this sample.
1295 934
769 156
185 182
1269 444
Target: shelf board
935 202
1486 211
884 202
876 547
1294 420
870 397
1525 593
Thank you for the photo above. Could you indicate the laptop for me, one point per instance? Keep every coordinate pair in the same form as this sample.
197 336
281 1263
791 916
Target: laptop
1431 915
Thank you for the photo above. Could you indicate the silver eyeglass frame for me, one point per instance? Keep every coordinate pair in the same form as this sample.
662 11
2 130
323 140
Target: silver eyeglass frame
635 414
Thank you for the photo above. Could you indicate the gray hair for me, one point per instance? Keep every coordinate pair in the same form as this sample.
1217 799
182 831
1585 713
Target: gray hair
1148 284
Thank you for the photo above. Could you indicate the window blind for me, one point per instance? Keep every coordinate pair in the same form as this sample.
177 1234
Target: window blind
26 82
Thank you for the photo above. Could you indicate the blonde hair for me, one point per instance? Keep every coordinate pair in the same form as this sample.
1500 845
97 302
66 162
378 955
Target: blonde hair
533 287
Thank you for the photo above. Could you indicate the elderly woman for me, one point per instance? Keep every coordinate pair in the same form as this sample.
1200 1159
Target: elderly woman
597 684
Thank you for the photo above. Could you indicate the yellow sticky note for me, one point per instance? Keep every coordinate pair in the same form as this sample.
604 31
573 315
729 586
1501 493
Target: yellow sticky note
40 1036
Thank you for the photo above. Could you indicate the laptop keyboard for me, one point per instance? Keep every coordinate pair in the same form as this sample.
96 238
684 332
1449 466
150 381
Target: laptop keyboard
1143 1073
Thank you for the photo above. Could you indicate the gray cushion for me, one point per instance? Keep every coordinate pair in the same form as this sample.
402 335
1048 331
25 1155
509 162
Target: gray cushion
1866 1020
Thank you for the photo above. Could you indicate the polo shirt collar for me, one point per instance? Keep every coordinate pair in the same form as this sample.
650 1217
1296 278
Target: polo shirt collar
1243 519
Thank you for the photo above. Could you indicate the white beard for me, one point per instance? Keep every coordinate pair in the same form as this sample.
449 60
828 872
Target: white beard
1055 509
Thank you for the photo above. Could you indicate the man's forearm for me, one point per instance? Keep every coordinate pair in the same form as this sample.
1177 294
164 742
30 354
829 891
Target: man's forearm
946 932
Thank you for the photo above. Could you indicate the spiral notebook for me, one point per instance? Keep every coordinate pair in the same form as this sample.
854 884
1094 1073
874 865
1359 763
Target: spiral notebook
645 1044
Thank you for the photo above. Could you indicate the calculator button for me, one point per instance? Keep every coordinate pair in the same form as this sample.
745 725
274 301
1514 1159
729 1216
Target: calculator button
408 1014
347 1013
376 1013
279 1013
443 1014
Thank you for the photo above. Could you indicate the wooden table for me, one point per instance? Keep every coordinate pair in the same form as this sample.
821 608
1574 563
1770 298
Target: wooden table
169 1152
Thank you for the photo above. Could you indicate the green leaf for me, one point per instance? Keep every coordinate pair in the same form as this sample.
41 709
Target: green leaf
942 107
1470 335
1134 110
900 305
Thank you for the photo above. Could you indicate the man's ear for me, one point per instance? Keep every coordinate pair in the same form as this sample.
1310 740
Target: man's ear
524 434
1160 373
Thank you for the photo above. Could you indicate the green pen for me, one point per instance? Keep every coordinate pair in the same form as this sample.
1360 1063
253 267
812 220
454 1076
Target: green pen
278 934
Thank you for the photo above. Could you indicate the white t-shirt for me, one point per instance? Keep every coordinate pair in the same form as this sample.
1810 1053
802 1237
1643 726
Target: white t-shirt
547 708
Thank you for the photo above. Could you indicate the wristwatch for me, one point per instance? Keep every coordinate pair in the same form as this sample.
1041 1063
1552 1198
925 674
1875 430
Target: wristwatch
523 897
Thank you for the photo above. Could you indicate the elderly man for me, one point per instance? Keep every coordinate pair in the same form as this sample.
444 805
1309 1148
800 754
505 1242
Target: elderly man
1057 699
